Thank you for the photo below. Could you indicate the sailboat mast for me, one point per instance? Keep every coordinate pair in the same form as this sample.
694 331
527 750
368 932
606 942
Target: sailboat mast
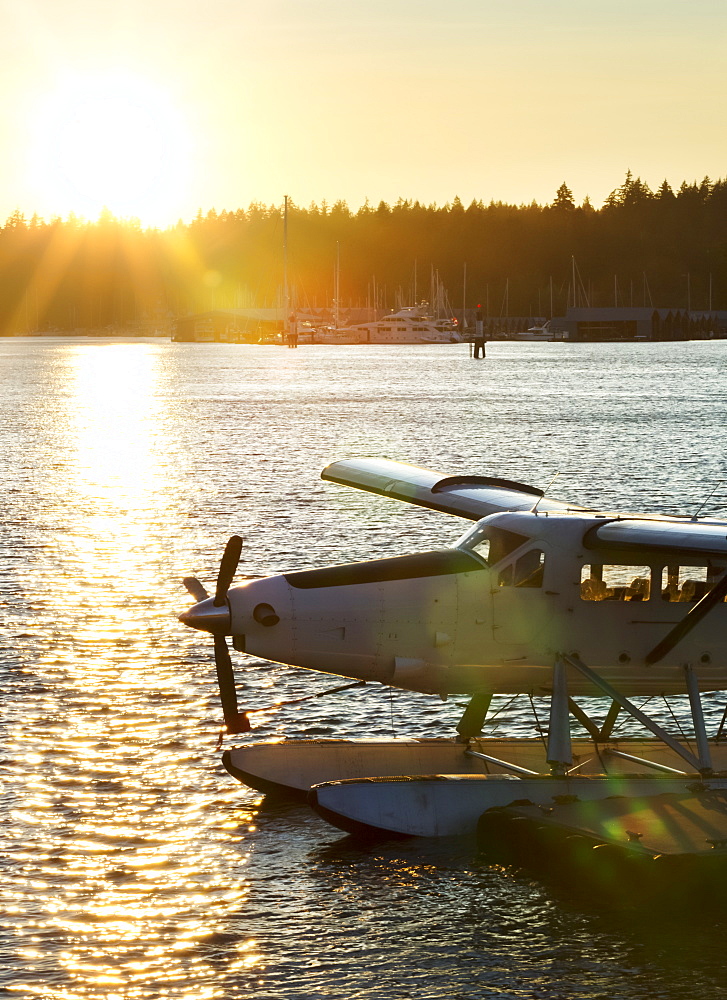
336 285
464 296
286 292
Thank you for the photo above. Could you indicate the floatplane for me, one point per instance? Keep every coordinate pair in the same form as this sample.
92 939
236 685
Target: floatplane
537 597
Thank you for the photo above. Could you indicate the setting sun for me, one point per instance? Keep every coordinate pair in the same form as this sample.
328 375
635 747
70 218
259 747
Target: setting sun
110 141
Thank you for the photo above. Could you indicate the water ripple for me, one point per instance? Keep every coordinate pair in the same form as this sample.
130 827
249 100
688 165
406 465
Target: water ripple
132 866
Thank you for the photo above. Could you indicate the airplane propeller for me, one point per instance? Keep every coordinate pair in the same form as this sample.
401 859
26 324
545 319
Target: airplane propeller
196 588
235 721
228 567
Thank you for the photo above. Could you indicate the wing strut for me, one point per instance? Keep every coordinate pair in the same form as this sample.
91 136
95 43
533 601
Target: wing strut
703 606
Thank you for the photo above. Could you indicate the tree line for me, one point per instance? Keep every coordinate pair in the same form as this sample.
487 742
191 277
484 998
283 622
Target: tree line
666 248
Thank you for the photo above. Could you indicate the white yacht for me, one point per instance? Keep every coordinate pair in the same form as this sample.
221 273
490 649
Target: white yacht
409 325
544 332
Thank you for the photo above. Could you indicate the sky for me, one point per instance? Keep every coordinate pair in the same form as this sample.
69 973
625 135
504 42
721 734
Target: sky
157 109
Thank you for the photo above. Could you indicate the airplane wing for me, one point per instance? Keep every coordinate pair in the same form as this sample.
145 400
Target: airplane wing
681 535
472 497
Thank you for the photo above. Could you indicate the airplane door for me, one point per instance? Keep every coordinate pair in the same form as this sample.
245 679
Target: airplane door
518 600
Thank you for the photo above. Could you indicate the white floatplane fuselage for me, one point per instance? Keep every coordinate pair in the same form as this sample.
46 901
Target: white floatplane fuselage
537 597
448 622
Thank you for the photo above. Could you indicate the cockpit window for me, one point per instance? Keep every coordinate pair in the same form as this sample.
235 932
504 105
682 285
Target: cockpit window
490 543
482 548
527 571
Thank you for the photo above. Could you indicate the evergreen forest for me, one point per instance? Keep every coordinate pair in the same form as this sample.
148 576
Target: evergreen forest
666 248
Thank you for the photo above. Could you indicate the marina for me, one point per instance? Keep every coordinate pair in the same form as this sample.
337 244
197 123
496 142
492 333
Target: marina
134 864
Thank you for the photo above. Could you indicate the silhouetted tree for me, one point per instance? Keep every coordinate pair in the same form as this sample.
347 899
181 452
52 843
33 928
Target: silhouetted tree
71 273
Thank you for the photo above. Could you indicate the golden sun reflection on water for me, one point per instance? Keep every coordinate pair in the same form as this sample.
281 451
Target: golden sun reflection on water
119 834
113 408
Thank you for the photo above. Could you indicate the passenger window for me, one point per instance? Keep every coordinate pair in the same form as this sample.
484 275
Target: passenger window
688 584
601 582
527 571
683 584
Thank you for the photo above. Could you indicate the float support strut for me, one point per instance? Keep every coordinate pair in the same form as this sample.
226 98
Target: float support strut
649 724
608 722
560 754
473 717
591 728
705 756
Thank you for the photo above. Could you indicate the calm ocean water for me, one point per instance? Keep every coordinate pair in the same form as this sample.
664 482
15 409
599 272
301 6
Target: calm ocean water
132 865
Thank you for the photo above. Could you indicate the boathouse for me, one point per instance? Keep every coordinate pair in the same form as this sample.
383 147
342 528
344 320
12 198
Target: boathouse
640 323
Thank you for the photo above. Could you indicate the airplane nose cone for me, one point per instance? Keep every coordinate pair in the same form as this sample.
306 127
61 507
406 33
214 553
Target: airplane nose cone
207 617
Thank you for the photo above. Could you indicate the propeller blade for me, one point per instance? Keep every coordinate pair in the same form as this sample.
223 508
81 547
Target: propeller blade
235 721
228 568
195 588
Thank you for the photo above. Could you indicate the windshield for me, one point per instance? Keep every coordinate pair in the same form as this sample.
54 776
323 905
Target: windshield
489 542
